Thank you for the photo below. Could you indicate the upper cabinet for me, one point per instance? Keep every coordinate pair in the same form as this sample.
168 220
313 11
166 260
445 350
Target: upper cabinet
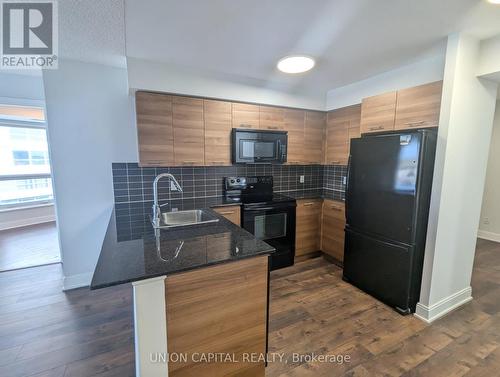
416 107
342 125
189 134
217 117
314 137
245 115
294 121
354 125
154 129
378 113
183 131
337 139
271 118
419 107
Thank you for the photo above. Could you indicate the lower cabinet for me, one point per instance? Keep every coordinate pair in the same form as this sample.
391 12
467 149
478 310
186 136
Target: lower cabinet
307 229
218 310
232 213
332 229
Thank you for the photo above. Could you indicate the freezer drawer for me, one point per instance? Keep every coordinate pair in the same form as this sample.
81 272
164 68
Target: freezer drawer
381 269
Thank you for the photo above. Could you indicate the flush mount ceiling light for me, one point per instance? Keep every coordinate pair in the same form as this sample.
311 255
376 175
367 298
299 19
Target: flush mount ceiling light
494 2
296 64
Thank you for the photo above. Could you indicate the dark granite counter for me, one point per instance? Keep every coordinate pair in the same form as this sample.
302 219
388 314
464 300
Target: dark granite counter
148 253
316 194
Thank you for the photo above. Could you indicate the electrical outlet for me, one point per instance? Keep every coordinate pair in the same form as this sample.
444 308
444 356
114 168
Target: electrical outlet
486 220
301 179
344 180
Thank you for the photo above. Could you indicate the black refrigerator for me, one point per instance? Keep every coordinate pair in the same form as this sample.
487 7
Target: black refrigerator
387 207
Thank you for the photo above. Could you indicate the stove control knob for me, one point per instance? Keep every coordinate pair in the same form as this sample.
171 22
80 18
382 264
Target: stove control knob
238 180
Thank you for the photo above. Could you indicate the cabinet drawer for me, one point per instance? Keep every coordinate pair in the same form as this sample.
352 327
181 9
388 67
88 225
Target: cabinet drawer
232 213
334 209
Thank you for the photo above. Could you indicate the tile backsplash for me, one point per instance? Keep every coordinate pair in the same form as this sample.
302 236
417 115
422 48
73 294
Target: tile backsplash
133 184
133 188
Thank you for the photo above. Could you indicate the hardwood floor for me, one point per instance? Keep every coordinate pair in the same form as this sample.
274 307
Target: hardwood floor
45 332
28 246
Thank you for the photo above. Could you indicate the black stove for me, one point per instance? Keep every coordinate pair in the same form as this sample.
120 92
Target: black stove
259 199
268 216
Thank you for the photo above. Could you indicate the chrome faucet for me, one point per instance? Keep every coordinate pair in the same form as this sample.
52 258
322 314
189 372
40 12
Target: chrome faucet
156 206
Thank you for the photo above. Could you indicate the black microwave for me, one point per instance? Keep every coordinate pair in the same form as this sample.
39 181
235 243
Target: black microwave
258 146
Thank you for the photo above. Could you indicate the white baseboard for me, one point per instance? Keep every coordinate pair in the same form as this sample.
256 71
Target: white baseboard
441 308
26 222
490 236
77 281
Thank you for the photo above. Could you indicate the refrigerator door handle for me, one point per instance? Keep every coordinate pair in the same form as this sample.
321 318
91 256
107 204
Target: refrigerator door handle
346 201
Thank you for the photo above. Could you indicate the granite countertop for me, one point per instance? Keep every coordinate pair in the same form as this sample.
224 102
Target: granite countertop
152 253
315 194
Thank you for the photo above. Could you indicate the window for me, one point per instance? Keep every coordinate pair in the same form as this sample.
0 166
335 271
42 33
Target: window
25 175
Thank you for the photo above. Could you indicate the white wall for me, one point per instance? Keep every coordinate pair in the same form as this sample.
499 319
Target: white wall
489 227
489 59
465 127
422 72
160 77
90 118
24 86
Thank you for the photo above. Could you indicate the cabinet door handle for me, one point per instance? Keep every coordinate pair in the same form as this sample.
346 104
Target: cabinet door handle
191 162
227 213
335 162
308 204
336 208
217 162
376 128
273 128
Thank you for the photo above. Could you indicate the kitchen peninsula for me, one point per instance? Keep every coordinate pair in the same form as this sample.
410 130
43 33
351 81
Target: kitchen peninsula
197 289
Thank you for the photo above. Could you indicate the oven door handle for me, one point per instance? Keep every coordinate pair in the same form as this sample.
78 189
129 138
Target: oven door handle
260 209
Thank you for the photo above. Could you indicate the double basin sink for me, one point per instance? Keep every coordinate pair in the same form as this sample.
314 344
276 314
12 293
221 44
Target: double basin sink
185 218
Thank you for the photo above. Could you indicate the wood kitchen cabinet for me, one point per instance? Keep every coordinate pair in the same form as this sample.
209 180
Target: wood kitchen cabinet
332 229
221 308
271 118
232 213
314 137
419 107
342 125
294 124
307 228
189 133
378 113
217 120
245 115
154 129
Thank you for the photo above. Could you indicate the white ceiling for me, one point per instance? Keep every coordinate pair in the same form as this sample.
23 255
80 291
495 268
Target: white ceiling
242 40
92 31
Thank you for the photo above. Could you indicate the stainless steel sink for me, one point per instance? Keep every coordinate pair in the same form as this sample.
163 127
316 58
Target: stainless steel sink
186 218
